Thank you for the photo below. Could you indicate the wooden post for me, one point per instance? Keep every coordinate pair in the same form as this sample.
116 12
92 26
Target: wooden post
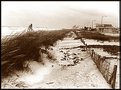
112 80
92 53
85 46
98 61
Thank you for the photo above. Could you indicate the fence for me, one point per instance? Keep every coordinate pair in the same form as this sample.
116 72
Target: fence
104 65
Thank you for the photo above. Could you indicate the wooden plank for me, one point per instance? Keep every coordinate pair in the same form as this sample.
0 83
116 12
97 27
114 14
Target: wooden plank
112 80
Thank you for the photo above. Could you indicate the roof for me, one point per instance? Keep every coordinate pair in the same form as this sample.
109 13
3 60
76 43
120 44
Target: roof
104 25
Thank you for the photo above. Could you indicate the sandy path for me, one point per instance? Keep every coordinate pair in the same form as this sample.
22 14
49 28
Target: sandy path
82 75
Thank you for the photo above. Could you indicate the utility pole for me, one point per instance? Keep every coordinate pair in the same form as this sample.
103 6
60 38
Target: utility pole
102 19
92 22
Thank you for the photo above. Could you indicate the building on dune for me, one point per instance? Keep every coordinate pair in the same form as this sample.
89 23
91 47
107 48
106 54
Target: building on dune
106 28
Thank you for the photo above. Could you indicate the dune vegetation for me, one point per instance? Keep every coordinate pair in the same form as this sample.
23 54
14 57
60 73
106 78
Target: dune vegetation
97 36
112 49
23 47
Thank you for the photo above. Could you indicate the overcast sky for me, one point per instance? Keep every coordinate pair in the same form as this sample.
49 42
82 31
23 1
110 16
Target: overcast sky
59 14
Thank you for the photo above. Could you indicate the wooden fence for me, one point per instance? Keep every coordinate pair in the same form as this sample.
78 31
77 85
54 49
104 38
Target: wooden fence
104 65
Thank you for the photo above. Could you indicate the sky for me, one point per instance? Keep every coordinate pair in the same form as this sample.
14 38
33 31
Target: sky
59 14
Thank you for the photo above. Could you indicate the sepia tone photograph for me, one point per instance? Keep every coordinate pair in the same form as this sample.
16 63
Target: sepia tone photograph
60 45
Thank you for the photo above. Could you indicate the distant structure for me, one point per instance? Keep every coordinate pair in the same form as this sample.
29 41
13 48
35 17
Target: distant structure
106 28
75 27
30 28
85 28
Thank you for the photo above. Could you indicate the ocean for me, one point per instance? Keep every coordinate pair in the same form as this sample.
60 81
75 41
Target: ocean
11 30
